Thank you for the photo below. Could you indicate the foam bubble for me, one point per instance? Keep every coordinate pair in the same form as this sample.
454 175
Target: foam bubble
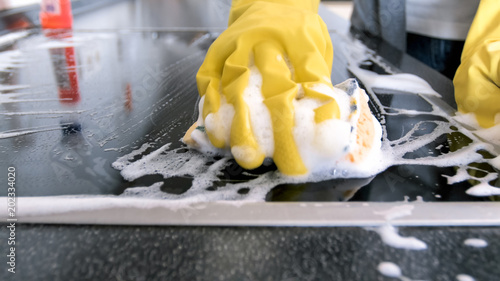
464 277
483 189
389 269
391 237
219 123
475 242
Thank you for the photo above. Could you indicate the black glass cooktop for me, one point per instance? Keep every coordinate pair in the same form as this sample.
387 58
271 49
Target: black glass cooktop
73 102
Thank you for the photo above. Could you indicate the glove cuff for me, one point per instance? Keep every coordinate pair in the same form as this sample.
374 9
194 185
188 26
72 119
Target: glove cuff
238 7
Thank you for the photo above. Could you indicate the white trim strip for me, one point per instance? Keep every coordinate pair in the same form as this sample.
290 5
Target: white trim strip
132 211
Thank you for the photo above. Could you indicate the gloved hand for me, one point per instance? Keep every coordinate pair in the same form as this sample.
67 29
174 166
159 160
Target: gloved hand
289 45
477 79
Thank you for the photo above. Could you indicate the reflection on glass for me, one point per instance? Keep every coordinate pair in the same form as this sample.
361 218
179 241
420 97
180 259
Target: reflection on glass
65 68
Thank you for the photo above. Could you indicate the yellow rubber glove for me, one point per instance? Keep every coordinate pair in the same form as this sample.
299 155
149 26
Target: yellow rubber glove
290 46
477 79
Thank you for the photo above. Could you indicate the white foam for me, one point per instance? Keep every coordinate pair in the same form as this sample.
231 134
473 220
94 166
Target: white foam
490 135
483 189
153 190
201 139
323 147
475 242
42 112
192 164
464 277
219 123
389 269
12 37
390 237
467 119
260 117
343 100
400 82
396 212
125 160
324 144
178 163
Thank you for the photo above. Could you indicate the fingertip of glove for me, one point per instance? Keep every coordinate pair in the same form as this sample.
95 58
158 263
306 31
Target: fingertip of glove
247 157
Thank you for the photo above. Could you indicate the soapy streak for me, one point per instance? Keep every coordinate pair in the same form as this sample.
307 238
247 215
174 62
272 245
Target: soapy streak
390 236
189 163
390 269
28 100
462 175
41 112
11 134
401 82
12 98
475 242
13 36
6 88
464 277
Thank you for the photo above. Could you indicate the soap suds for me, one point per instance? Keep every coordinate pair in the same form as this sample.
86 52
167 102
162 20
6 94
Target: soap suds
476 243
491 135
260 116
145 192
483 189
396 212
125 160
464 277
391 237
389 269
400 82
323 146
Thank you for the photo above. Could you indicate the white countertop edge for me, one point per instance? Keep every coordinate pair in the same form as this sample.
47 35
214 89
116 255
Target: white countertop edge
137 211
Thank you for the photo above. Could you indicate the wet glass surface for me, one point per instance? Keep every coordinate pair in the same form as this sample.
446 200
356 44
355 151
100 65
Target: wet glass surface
74 102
